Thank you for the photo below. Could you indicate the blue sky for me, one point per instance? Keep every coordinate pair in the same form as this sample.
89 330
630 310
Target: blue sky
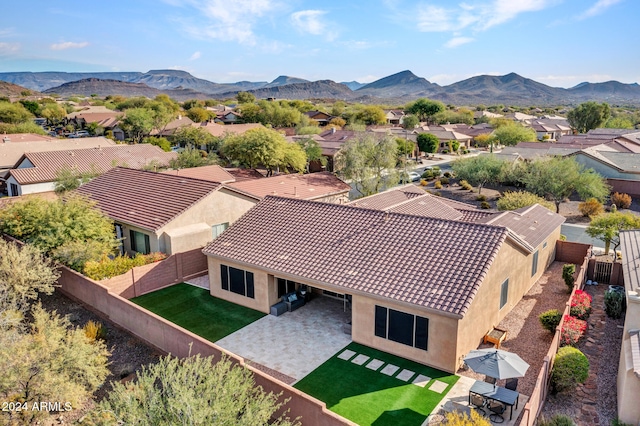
557 42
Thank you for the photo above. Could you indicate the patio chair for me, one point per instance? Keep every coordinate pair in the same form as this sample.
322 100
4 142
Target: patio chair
497 409
491 380
511 384
478 402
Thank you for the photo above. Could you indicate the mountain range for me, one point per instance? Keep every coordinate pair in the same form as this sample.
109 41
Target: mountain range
509 89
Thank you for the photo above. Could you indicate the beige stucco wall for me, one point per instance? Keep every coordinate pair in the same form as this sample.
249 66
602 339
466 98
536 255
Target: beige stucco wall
628 382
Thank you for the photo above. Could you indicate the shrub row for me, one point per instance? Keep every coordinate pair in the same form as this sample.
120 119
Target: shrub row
581 305
108 268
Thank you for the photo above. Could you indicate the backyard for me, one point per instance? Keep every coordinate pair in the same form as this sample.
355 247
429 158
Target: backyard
194 309
371 387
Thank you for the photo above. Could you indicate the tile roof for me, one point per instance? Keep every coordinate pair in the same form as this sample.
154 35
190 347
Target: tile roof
386 199
10 152
244 174
220 130
46 164
213 173
306 187
532 224
145 199
625 161
433 263
630 247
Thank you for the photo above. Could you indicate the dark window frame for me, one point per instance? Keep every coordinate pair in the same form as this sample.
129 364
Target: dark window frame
504 293
134 245
534 264
231 284
393 325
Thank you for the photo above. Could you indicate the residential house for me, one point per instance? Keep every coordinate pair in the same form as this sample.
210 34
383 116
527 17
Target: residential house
36 171
228 117
395 117
629 363
621 169
213 173
322 186
221 130
445 136
322 118
103 117
173 126
426 279
162 212
550 130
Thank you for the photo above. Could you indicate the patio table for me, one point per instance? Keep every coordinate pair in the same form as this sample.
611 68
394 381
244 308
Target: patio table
497 393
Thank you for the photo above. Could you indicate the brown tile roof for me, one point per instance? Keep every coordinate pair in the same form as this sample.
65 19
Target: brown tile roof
220 130
23 137
101 159
387 199
305 187
630 247
433 263
426 205
532 224
145 199
212 173
244 174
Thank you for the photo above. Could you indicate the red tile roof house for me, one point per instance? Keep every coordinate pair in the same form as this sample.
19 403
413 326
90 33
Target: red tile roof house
164 212
36 171
428 278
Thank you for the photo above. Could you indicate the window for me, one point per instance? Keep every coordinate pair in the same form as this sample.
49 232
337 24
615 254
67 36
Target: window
544 245
401 327
120 237
237 281
219 229
534 265
285 286
504 293
139 242
14 190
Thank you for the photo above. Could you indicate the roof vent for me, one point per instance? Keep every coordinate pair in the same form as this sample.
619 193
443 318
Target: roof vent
6 139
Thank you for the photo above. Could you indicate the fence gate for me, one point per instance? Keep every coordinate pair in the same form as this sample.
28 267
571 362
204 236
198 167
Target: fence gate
602 272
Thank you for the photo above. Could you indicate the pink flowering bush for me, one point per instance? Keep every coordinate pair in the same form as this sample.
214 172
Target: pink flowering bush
581 305
573 330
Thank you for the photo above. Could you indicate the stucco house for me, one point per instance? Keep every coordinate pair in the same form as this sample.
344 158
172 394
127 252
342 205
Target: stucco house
426 278
162 212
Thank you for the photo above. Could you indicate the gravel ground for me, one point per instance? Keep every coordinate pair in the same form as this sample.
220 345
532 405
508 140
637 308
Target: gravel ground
128 353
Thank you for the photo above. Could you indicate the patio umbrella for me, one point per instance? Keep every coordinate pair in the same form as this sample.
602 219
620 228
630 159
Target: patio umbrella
496 363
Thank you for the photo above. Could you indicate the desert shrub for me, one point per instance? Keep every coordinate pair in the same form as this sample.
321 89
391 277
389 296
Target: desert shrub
621 201
107 267
573 330
445 151
465 185
613 304
423 182
563 237
613 208
485 205
437 185
444 180
511 200
591 207
567 275
94 331
557 420
457 418
550 319
481 198
570 368
581 305
447 174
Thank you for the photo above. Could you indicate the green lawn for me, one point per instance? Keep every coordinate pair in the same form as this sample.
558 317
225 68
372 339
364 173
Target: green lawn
196 310
369 397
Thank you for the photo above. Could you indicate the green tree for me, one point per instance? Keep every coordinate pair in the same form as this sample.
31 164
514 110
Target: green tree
14 113
191 157
163 143
313 151
198 114
68 179
428 142
480 170
245 98
171 392
369 161
163 114
512 200
410 122
607 227
52 362
619 123
405 147
54 113
196 137
513 133
557 178
371 114
424 108
138 122
95 129
588 115
32 106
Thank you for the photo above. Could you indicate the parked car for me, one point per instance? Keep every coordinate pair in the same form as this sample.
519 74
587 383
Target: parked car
82 133
409 177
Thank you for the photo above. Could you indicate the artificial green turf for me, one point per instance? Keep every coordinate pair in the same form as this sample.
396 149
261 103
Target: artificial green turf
369 397
196 310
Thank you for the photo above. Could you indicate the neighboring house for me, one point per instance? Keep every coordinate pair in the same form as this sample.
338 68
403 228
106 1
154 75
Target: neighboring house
446 136
228 117
103 117
220 130
520 116
160 212
212 173
426 278
322 186
244 174
322 118
480 114
394 117
36 171
550 130
173 126
629 363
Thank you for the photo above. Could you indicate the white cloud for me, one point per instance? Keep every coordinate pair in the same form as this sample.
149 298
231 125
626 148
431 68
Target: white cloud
227 21
458 41
196 55
501 11
8 48
69 45
312 22
599 7
435 19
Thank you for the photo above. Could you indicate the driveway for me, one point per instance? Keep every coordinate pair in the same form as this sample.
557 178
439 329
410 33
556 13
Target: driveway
577 234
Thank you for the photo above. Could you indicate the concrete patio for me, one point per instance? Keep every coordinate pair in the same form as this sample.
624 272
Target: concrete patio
294 343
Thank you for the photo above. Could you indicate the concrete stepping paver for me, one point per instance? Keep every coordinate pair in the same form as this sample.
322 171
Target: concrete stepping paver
360 359
346 354
390 369
421 380
375 364
405 375
438 386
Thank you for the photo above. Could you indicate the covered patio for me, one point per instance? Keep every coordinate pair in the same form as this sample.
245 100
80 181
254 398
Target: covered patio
295 343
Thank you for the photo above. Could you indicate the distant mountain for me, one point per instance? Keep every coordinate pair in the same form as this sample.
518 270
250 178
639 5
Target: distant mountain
353 85
42 81
404 83
607 90
283 80
317 89
175 79
10 89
